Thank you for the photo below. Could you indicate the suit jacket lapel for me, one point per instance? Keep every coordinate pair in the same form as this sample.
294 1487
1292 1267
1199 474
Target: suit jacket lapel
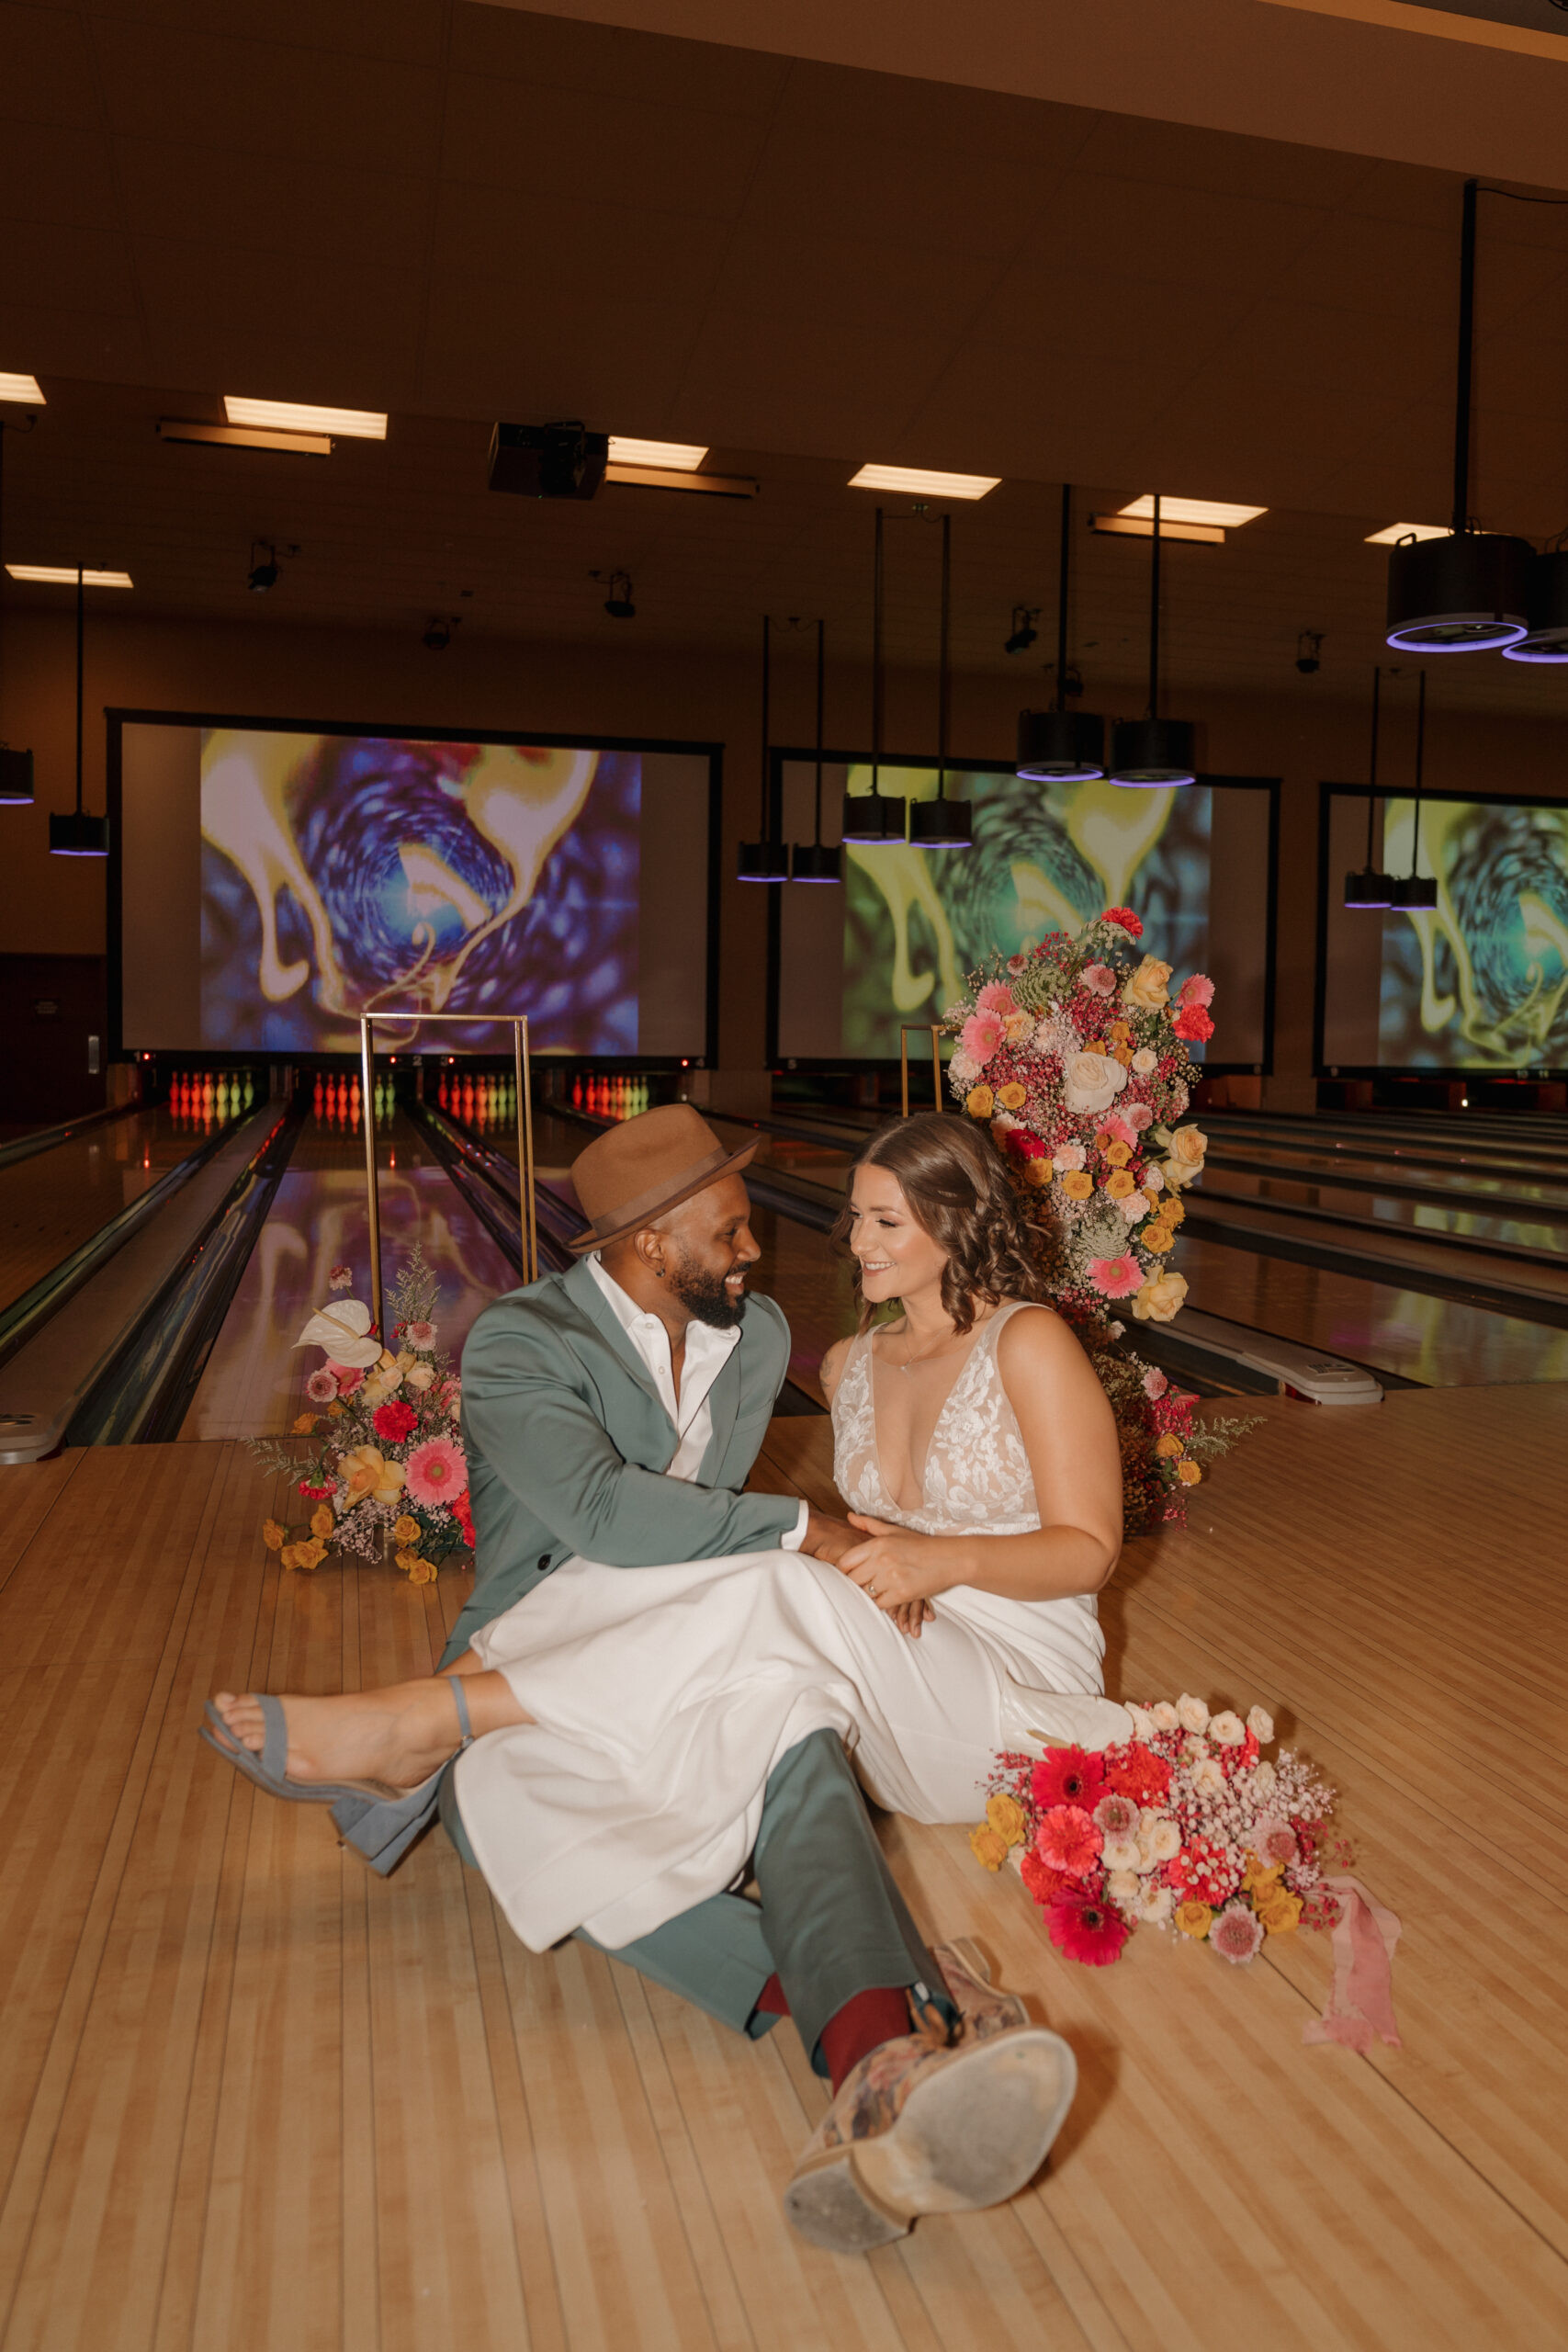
588 1298
723 1404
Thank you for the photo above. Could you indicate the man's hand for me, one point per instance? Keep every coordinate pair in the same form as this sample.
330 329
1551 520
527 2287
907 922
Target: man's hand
827 1538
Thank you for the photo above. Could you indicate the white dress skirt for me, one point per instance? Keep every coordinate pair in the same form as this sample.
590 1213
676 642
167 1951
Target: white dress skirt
663 1698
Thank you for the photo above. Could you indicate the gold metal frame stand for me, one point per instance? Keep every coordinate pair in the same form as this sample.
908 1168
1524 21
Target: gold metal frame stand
518 1025
932 1030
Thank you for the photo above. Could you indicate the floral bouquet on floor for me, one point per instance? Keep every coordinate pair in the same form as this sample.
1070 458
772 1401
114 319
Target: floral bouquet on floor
1186 1825
386 1469
1075 1054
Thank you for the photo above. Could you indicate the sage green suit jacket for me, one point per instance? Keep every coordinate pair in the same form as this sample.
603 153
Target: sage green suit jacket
568 1443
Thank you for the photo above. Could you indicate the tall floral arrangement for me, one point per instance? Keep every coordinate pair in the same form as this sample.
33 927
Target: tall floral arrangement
1075 1054
384 1469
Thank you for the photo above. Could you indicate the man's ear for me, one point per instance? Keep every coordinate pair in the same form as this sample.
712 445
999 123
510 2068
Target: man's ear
650 1247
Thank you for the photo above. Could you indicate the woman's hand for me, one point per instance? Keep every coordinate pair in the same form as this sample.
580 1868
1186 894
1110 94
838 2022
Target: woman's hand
898 1569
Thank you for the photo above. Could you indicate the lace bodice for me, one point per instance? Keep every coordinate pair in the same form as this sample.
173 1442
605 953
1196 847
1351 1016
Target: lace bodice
977 1472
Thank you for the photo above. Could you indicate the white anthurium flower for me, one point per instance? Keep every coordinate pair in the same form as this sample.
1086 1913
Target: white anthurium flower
342 1328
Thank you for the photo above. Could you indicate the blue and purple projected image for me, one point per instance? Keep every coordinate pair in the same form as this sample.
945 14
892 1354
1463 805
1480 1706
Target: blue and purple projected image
342 874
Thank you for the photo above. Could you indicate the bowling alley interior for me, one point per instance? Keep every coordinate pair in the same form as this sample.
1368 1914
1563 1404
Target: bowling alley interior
777 574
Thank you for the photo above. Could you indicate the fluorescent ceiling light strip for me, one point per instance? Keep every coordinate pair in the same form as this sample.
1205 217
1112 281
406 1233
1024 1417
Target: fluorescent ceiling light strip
678 456
22 388
1397 531
916 479
1192 510
302 416
1141 526
65 574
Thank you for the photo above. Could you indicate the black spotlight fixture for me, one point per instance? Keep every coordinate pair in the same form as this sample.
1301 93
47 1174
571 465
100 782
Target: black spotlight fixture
1547 611
1468 592
878 819
766 860
817 860
77 834
618 602
1412 892
1370 887
1151 752
1023 629
16 766
1059 745
265 568
942 823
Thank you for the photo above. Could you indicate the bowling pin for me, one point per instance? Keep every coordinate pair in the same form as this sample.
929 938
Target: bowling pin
577 1091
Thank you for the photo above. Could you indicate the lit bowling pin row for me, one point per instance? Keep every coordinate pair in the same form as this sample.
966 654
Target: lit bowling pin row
478 1102
210 1094
610 1098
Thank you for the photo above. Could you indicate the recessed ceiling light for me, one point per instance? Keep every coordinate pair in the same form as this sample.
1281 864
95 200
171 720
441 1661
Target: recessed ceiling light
1397 531
919 481
22 388
680 456
303 416
1191 509
1141 526
64 576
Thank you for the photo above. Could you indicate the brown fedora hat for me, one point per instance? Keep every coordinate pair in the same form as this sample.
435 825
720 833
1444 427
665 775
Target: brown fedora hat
629 1177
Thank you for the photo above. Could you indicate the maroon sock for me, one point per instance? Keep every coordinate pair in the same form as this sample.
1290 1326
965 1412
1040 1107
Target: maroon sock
864 2025
771 1999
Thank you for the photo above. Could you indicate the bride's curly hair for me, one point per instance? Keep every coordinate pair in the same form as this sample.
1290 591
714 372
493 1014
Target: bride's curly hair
959 1192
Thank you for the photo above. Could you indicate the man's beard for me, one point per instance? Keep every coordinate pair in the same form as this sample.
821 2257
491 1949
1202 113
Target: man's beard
704 1297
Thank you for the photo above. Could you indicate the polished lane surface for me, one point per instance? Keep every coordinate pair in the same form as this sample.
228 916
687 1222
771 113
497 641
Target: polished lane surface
52 1203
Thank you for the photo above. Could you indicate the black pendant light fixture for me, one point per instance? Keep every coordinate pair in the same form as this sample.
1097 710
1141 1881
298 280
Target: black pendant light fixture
1414 891
1468 592
1546 611
1370 887
1059 745
876 818
765 860
1151 752
15 767
77 834
817 860
942 823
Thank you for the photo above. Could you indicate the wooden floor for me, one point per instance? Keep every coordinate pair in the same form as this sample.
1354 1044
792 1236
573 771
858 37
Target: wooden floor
253 2097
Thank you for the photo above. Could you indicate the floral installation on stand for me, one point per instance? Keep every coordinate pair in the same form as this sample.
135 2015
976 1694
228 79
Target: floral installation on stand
1188 1825
1075 1054
385 1468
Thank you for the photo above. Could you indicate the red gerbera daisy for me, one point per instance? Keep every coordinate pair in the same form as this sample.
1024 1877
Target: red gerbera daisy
1088 1931
1067 1776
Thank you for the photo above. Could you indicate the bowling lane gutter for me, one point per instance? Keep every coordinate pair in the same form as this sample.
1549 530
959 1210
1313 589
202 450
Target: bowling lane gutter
45 1138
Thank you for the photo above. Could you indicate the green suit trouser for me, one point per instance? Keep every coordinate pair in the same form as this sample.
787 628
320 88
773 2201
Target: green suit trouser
831 1922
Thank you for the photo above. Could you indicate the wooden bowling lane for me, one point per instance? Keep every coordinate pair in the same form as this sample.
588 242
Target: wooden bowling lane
51 1203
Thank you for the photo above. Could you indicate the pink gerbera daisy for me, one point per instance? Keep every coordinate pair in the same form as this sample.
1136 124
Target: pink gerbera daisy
347 1375
1066 1775
995 997
1116 1277
1236 1933
1068 1841
1197 990
436 1470
321 1386
1085 1930
980 1036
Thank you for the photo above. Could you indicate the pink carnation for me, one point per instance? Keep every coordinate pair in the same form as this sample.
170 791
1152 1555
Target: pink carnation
1138 1116
349 1376
1116 1277
1098 978
321 1386
436 1470
1275 1841
1197 990
980 1036
1193 1025
995 997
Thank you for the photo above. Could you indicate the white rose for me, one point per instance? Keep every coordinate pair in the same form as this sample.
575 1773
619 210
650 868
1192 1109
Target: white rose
1121 1854
1191 1713
1227 1728
1208 1777
1264 1777
1195 1747
1163 1837
1090 1082
1156 1905
1165 1715
1143 1722
1145 1060
421 1377
1261 1724
1123 1888
1153 1180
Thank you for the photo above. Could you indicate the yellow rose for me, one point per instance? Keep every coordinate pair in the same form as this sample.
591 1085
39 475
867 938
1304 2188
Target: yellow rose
1076 1184
423 1572
1188 1149
1195 1919
1172 1212
1119 1029
1038 1173
303 1426
1123 1054
979 1103
321 1519
1260 1882
1157 1238
1188 1474
1095 1047
1117 1154
1013 1097
1169 1446
1160 1298
309 1555
407 1529
274 1536
1008 1818
986 1847
1146 987
1282 1913
1119 1184
289 1555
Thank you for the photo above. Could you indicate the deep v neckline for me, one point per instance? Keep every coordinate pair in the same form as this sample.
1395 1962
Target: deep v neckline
911 1511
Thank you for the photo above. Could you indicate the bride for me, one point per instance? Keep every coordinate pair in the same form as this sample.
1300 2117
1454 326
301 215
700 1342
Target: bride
625 1727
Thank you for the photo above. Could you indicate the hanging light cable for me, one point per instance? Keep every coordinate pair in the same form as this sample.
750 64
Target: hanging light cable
15 767
1152 751
875 818
1370 887
817 860
1416 892
942 823
1061 746
766 860
79 835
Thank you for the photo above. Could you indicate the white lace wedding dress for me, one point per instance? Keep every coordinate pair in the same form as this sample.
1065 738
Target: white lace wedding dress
663 1697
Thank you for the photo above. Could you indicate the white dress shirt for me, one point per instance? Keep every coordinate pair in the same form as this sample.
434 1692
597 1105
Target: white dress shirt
707 1352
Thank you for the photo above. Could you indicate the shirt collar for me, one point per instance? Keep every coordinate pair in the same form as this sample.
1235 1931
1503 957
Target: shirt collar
702 1341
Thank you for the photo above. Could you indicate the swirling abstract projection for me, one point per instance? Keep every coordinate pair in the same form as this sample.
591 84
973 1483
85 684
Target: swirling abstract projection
1045 858
1481 982
341 872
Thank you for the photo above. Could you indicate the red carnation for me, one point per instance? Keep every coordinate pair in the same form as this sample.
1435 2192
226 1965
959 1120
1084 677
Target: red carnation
1027 1146
1137 1772
1067 1776
1193 1024
1088 1931
394 1421
315 1494
459 1507
1130 923
1044 1883
1204 1870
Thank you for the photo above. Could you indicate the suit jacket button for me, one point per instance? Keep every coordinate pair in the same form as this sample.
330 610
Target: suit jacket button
544 1562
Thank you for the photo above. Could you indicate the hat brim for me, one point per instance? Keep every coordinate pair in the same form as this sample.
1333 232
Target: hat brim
732 1167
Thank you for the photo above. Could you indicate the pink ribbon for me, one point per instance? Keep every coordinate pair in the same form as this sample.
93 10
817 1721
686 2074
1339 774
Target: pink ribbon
1360 2003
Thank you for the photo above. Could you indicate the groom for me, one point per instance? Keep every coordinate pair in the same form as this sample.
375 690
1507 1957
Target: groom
614 1413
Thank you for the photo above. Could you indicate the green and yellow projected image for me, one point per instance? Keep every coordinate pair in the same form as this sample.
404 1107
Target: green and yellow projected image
1481 982
1046 857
